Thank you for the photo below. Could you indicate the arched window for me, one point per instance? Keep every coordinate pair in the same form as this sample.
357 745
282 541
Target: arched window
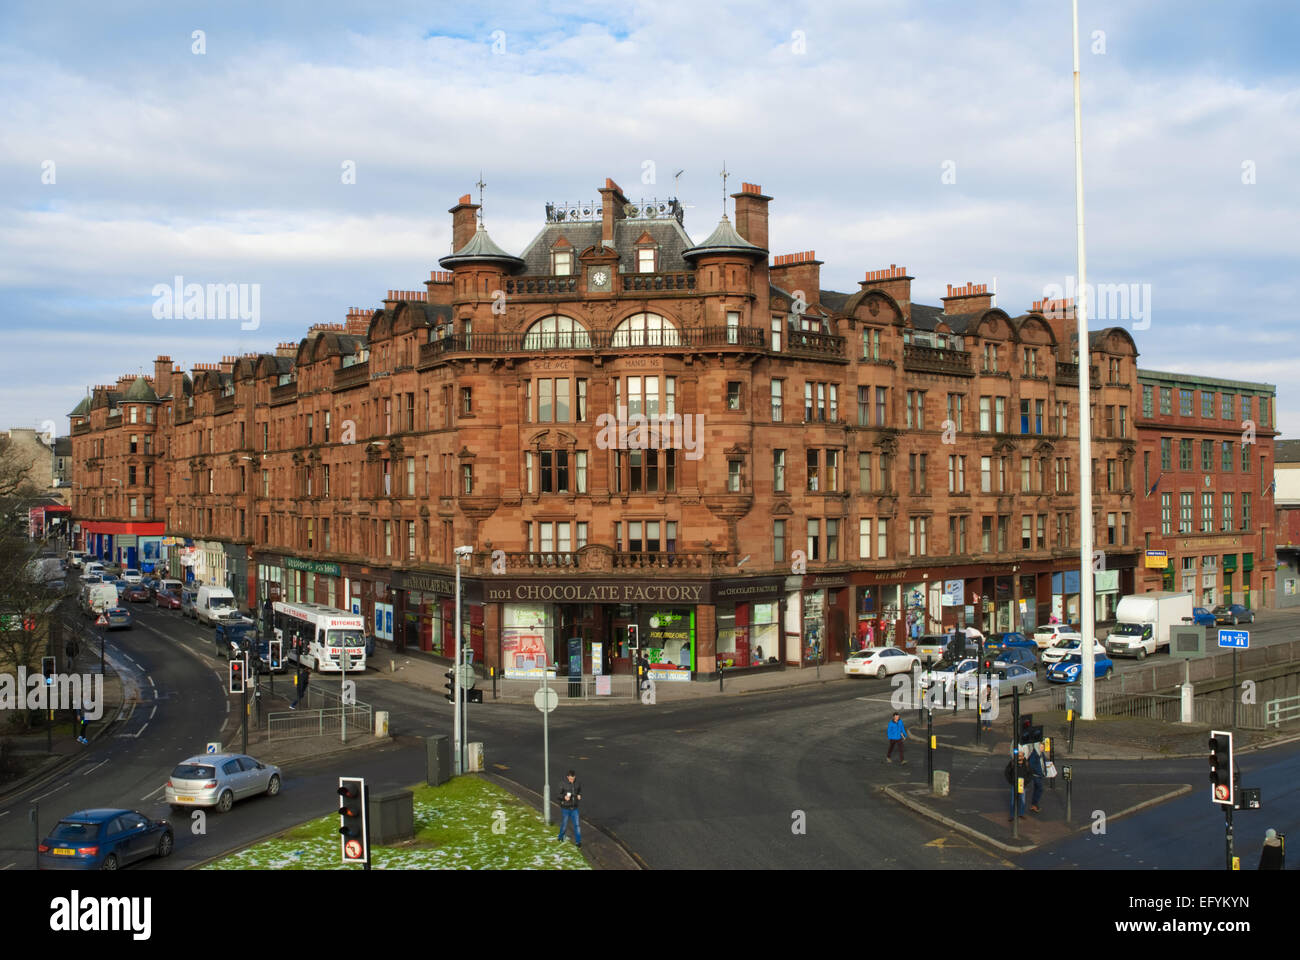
646 330
557 332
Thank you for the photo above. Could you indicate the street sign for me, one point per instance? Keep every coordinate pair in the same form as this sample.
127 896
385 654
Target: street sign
466 676
1234 638
1073 699
214 747
1187 642
102 621
546 700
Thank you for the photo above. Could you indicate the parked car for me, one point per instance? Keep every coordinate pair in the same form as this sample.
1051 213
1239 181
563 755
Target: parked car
119 618
1012 639
932 646
1049 635
879 662
218 780
1069 669
103 839
167 600
136 593
1070 648
188 599
1233 614
1018 656
1202 617
1009 677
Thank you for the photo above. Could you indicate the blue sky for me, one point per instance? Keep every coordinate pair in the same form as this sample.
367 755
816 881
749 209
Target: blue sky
225 167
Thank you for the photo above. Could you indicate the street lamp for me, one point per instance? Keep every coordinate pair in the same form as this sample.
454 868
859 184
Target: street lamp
457 730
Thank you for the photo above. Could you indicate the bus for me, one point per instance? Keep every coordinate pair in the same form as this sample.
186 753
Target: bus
315 636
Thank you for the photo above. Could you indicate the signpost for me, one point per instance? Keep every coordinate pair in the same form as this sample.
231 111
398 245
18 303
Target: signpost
545 699
1237 640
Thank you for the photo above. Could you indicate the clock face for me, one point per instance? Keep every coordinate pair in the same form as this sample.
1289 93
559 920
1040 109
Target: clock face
599 278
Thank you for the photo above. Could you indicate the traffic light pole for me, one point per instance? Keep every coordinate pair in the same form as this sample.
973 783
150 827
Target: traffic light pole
243 697
1227 820
343 693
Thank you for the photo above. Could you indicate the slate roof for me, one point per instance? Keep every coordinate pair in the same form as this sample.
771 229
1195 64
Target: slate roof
724 239
82 409
1286 451
63 446
667 233
140 390
479 248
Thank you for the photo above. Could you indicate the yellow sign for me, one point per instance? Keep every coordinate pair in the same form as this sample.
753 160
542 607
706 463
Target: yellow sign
1236 863
1157 561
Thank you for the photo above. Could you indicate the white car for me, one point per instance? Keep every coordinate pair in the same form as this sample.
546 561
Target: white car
947 676
1068 648
132 575
879 662
1050 635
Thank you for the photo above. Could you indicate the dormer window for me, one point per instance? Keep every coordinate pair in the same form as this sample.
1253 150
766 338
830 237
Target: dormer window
646 260
562 263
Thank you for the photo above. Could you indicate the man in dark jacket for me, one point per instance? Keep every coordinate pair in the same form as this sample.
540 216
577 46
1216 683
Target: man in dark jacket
301 682
1017 768
570 793
1038 771
1272 857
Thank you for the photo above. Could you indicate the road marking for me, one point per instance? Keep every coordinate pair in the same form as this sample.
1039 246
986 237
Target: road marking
152 684
4 813
7 866
95 767
142 730
152 792
153 711
54 791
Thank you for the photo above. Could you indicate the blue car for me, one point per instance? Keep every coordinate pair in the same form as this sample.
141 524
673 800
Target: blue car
1013 639
103 839
1069 669
1202 617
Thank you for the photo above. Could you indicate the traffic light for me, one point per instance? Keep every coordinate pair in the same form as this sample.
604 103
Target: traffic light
988 666
1222 789
474 696
1028 732
632 639
47 669
236 675
450 685
354 840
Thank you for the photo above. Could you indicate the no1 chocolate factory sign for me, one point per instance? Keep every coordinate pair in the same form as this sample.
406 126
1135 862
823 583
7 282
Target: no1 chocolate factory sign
595 591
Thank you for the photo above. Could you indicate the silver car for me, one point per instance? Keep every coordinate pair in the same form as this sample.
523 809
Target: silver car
218 780
1011 676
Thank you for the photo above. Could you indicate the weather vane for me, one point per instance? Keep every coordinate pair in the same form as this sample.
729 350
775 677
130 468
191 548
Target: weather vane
480 184
724 188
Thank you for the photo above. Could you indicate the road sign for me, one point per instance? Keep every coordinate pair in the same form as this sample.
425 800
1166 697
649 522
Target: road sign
546 700
102 621
214 747
1234 638
466 676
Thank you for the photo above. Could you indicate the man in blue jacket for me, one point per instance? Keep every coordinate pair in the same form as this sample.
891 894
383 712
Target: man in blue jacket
896 733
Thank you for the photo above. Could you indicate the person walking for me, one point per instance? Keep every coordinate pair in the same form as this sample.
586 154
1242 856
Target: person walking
1273 855
1038 771
896 733
570 794
1017 768
301 680
987 703
81 726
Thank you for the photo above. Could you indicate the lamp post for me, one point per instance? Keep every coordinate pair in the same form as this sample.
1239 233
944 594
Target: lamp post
456 729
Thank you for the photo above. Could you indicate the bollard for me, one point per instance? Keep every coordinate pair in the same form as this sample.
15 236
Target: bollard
929 751
1068 773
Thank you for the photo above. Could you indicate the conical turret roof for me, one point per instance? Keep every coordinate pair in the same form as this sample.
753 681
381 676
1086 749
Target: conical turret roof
480 248
725 239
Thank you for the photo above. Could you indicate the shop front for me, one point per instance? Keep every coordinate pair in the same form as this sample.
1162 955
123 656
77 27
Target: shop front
116 542
825 609
566 622
748 614
423 614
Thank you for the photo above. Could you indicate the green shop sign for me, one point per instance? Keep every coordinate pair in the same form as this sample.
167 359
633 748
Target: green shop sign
314 566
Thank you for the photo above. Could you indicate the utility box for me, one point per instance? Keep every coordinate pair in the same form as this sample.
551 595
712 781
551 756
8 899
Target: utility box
475 759
392 817
437 759
940 788
381 723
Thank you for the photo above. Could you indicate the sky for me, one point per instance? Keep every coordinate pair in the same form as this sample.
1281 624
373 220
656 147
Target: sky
313 149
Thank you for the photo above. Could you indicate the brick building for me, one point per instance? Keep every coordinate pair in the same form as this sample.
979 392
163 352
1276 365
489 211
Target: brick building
1207 475
1286 510
630 427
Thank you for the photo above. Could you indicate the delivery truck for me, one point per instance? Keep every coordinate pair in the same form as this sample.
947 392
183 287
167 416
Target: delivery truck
1142 622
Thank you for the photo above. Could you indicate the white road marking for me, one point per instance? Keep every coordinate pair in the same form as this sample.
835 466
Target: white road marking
4 813
153 711
152 684
52 792
7 866
142 730
152 792
95 767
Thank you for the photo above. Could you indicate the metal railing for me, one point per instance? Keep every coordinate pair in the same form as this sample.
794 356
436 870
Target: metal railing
1278 712
321 714
622 687
1168 708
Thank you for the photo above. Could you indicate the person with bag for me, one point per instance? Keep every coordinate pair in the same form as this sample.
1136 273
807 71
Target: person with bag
570 794
1038 771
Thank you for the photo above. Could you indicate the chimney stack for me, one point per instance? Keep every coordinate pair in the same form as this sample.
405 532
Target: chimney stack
358 322
286 350
894 282
970 298
162 376
751 214
1059 315
612 203
464 221
798 273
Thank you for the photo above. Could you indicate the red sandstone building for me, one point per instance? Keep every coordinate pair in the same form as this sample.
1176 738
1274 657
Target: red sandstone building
841 466
1207 517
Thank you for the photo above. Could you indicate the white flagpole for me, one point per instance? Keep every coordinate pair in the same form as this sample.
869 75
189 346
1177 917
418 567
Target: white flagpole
1087 603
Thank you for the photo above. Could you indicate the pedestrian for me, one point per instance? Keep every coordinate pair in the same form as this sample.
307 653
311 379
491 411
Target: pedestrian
896 733
1017 769
570 795
642 670
301 679
986 706
81 726
1273 856
1038 771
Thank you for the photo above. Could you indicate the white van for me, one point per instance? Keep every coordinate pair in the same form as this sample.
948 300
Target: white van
98 597
214 603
